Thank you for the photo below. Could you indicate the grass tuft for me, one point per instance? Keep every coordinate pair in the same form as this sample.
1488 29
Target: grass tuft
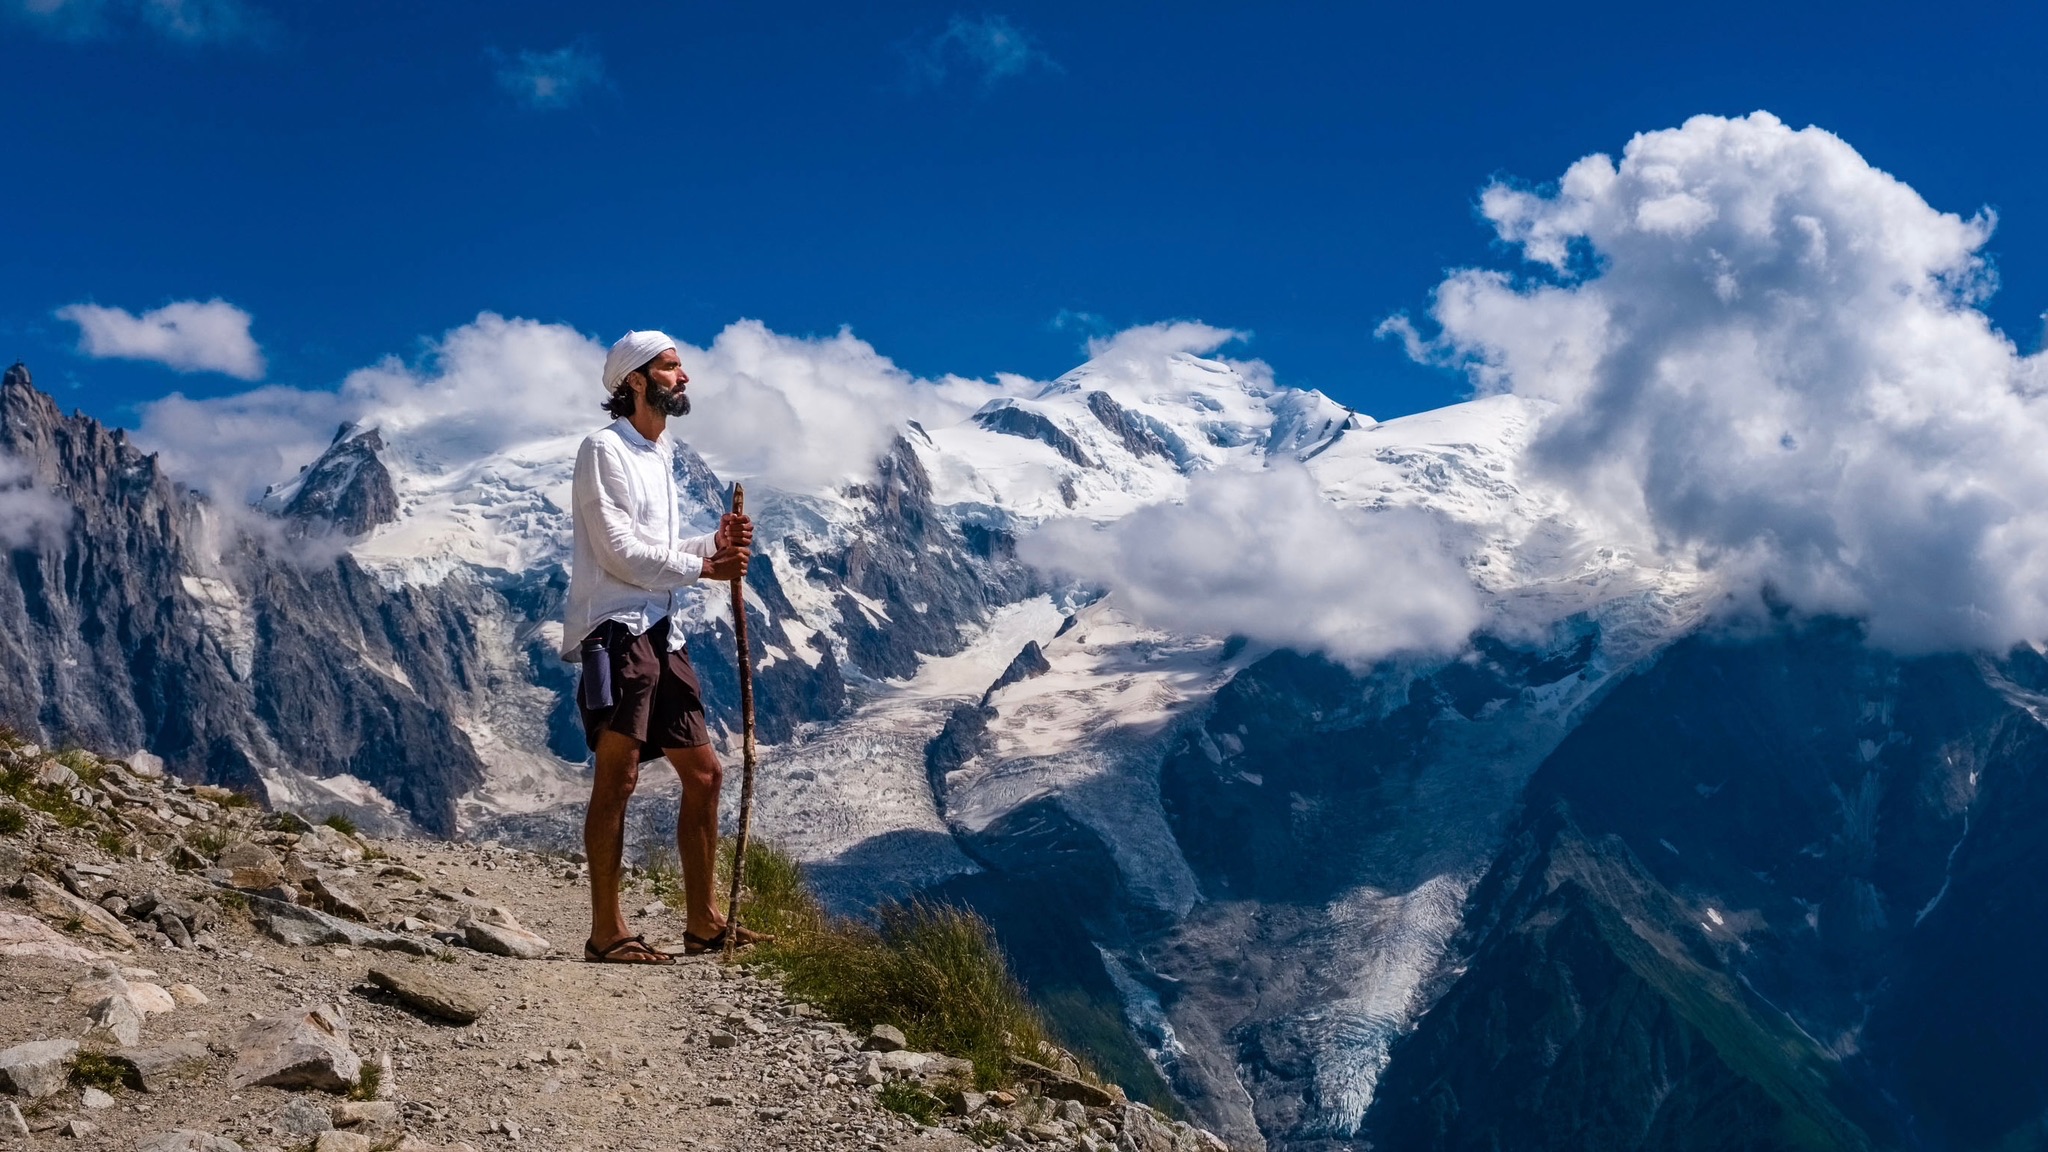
207 840
86 765
341 824
13 821
909 1100
20 783
113 843
96 1070
366 1085
933 970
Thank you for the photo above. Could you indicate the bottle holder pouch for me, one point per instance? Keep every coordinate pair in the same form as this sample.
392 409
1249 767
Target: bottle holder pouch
595 690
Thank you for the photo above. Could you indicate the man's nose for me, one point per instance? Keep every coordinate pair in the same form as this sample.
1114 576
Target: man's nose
682 377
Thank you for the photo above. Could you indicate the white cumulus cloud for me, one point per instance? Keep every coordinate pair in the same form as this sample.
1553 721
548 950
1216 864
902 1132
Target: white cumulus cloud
28 515
188 335
554 79
1770 358
794 412
1266 555
805 412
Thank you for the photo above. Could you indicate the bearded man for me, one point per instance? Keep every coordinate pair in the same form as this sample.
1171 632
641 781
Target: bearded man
639 696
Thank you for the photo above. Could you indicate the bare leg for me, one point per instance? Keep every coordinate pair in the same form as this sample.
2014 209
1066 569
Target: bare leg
697 834
604 832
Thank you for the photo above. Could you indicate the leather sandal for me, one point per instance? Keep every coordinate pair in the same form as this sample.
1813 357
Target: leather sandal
636 950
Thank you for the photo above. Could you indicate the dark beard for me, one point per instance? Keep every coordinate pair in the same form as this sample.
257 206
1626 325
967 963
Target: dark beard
668 402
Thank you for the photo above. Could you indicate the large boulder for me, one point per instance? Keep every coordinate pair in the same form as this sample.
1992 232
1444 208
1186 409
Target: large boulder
305 1048
38 1068
27 936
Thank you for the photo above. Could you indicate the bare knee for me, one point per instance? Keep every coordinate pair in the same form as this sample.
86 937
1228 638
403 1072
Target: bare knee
698 768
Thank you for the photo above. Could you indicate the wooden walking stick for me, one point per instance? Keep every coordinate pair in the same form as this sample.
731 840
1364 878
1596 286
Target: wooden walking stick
746 668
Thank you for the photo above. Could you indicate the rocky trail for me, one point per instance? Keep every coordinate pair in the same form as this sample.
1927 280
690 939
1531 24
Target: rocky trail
181 972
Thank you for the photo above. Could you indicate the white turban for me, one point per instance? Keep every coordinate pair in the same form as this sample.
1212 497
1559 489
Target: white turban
632 350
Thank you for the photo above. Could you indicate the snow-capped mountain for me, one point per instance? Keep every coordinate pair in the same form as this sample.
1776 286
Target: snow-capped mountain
855 794
1238 874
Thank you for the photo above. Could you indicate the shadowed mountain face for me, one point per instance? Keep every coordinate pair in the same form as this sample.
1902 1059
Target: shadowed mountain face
1776 892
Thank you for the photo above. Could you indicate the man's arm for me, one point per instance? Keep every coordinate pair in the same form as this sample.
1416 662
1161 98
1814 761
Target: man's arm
600 493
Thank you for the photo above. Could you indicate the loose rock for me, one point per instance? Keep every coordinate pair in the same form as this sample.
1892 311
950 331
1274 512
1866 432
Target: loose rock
305 927
27 936
252 866
301 1118
162 1068
502 941
306 1048
38 1068
62 906
903 1062
117 1018
429 993
884 1038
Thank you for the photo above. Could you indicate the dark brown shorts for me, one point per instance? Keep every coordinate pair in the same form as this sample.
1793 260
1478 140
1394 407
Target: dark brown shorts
655 696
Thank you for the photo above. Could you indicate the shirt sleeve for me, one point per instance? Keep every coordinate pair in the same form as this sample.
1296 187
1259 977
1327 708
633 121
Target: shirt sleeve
601 500
705 545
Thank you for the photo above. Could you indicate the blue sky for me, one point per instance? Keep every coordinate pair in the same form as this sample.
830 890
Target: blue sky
971 189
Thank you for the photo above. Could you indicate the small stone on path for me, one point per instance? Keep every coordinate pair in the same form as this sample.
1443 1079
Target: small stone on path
429 992
884 1038
499 940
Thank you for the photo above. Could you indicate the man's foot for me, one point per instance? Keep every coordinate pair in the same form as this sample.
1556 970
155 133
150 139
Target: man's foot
695 945
627 950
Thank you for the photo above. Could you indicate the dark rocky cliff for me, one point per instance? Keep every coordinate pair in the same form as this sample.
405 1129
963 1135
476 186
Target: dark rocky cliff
1831 856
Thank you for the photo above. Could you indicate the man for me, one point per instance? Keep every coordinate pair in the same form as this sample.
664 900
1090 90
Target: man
638 694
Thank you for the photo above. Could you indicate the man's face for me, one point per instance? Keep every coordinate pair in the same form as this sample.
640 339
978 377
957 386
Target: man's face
666 383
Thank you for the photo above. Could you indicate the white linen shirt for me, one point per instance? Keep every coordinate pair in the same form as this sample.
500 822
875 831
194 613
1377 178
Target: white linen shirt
628 563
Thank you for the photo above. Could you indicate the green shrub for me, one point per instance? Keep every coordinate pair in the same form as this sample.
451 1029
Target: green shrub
366 1085
95 1070
912 1101
933 970
13 821
85 764
20 783
207 840
112 843
341 824
238 800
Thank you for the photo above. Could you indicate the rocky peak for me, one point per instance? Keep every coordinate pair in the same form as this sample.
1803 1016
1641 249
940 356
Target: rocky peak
348 490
